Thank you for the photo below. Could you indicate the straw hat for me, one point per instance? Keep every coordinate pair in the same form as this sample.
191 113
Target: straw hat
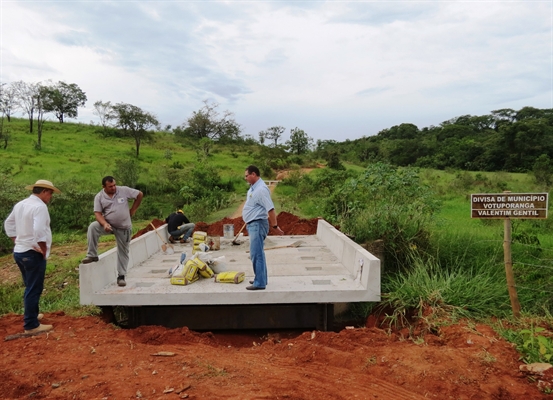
43 184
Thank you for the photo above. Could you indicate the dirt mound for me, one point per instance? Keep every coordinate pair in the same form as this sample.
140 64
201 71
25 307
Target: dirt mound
86 358
289 223
155 222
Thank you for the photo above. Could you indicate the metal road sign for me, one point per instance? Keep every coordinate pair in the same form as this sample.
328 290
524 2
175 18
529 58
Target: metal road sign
509 205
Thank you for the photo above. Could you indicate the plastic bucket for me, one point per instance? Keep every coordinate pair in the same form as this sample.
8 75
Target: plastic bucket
228 231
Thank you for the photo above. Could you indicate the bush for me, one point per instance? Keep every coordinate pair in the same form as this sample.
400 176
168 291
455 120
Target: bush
385 203
72 209
127 171
204 191
10 194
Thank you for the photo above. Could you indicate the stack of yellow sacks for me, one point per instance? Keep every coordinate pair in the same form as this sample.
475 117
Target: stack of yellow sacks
199 237
190 272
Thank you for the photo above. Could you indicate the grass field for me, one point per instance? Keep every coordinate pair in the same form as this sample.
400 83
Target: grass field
78 153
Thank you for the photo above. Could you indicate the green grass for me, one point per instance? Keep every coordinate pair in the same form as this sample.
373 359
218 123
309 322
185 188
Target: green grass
78 153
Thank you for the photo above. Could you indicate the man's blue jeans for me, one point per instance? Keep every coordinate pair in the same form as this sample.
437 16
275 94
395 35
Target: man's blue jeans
257 231
185 230
33 268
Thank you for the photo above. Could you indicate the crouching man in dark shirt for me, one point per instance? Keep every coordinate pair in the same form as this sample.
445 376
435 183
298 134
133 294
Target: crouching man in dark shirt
179 227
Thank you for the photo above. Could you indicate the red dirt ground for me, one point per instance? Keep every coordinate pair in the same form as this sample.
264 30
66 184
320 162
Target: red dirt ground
88 358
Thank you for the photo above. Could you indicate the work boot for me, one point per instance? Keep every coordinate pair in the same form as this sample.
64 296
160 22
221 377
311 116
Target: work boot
89 260
40 328
187 240
171 239
121 281
40 316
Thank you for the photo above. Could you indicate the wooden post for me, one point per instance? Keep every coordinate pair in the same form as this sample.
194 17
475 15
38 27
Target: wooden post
515 305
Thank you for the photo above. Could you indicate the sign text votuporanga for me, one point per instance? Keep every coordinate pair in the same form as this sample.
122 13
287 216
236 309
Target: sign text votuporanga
509 205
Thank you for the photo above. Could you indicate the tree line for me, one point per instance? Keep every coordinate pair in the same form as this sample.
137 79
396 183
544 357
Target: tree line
504 140
207 125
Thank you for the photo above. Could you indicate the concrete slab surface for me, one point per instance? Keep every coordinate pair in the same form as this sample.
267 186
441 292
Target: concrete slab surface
325 268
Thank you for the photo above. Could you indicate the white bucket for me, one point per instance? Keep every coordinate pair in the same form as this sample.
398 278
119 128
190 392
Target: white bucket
228 231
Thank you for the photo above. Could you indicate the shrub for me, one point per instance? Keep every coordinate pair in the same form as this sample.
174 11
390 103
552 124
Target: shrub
127 171
72 209
387 203
10 194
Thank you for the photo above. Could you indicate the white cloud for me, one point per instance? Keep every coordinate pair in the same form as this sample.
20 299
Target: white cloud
334 69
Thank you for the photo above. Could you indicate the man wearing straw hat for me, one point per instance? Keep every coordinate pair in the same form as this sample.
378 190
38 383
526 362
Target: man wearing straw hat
28 225
111 209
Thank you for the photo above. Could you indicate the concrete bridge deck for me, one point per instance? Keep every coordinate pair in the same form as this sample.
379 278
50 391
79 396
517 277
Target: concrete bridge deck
326 268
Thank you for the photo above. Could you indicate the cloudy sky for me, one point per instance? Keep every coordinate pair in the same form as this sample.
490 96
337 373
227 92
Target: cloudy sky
336 69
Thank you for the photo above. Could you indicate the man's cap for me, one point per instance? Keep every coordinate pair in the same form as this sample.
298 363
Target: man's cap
43 184
180 211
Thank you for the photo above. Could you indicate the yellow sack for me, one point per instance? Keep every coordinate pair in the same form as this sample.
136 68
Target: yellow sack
199 236
230 277
205 271
187 274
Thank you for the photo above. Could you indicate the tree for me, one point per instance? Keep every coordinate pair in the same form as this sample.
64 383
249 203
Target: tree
208 123
26 95
273 133
402 131
205 145
543 170
134 122
104 111
262 137
4 137
64 100
299 142
504 116
8 100
42 98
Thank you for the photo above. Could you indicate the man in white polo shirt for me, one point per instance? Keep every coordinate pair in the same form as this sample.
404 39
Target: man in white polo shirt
111 209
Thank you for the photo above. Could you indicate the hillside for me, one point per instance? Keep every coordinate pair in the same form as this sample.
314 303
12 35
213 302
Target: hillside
80 154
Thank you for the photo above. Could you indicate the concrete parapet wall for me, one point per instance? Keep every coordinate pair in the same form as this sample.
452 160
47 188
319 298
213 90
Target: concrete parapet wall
363 266
95 276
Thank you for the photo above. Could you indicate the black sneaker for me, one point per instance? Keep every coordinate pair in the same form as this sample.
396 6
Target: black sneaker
121 281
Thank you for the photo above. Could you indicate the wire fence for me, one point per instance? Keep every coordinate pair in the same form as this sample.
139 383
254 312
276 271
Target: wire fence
521 253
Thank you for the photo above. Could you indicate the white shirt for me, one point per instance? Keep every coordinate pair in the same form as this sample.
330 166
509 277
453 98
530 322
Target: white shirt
29 222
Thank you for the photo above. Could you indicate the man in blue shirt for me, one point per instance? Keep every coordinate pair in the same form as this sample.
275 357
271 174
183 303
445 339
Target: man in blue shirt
258 214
